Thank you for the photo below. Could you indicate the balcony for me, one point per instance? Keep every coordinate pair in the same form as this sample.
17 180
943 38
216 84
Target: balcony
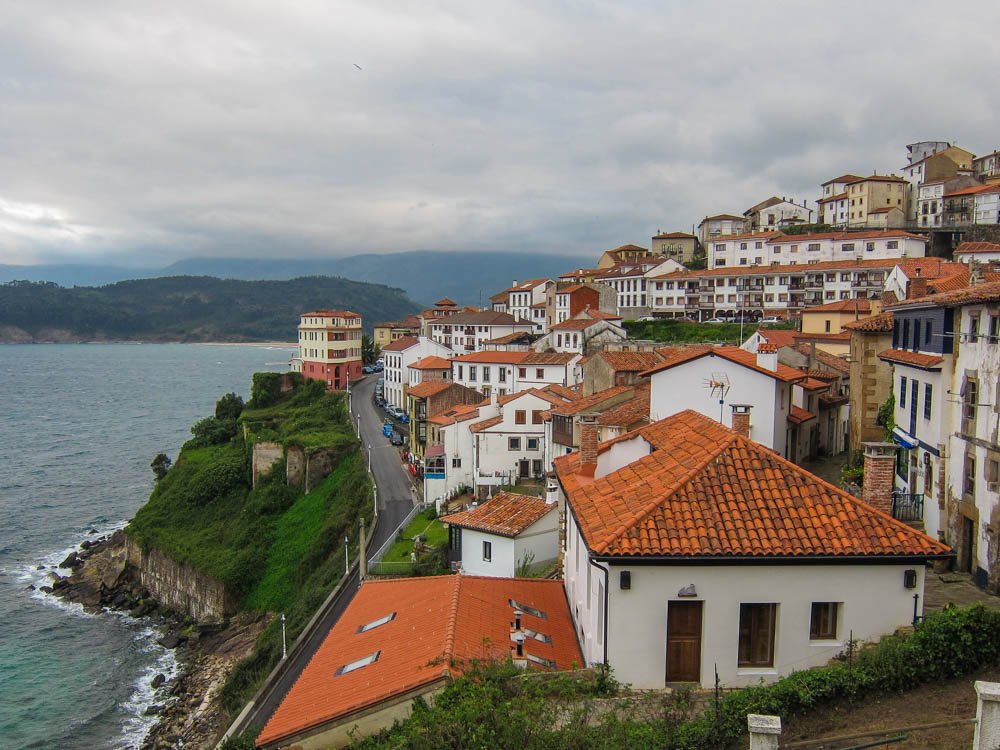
796 286
750 287
813 283
908 508
866 284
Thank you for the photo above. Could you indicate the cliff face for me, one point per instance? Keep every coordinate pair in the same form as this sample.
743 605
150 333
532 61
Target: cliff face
179 587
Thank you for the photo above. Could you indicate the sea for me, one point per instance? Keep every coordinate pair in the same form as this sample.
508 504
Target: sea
79 425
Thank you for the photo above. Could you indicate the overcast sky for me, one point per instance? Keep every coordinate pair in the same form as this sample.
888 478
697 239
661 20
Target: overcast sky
143 132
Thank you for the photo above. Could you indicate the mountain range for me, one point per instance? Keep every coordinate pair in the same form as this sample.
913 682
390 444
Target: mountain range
425 276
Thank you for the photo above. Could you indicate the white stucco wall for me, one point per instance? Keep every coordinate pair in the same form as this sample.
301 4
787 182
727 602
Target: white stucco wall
502 559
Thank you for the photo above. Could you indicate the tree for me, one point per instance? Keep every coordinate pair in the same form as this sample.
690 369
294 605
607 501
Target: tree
370 351
160 465
229 407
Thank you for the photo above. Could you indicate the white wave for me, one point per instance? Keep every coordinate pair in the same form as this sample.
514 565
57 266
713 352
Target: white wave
136 725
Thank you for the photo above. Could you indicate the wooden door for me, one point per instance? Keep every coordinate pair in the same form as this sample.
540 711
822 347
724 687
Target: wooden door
967 551
684 642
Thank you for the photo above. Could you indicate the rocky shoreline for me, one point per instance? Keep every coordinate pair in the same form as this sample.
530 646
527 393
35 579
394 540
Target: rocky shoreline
186 704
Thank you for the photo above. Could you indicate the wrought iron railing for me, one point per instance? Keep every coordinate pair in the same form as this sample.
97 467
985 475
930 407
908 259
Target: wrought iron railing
907 507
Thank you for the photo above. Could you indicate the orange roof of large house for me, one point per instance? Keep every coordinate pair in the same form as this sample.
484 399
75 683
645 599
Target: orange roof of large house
915 359
972 248
931 268
740 271
401 344
841 337
548 358
486 423
596 314
704 491
860 306
546 394
974 189
580 272
591 402
508 514
779 336
445 302
452 414
881 323
970 295
731 353
575 324
630 412
503 358
332 314
433 627
831 198
673 236
845 178
433 362
628 248
429 388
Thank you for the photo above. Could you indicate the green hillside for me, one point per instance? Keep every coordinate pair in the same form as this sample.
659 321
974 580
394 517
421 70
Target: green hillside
186 308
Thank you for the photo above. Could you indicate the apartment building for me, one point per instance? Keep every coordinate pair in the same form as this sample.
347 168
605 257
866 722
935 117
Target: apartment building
986 168
933 207
399 356
622 254
870 195
629 281
980 252
833 204
468 331
719 225
566 300
776 213
384 334
741 251
679 246
329 347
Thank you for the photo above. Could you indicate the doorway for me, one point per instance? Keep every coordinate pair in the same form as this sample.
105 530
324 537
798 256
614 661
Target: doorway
684 642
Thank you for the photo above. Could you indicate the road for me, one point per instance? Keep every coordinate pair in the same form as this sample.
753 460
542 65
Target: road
395 500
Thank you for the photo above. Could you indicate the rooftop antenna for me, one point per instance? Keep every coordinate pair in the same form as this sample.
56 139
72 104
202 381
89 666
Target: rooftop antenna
718 386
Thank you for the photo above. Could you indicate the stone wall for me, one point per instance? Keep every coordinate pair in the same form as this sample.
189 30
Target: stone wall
179 587
265 456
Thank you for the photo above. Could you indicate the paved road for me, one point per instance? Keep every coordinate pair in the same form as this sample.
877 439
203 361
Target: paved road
395 500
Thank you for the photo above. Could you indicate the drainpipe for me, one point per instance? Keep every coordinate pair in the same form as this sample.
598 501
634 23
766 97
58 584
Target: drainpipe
606 571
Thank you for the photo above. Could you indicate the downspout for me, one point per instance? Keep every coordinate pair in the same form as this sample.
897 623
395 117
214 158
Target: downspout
606 571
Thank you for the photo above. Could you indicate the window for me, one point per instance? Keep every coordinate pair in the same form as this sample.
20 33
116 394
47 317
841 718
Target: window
376 623
928 393
743 246
970 395
487 551
520 416
759 245
522 372
756 647
813 247
973 329
823 621
472 372
826 326
743 261
456 463
531 444
902 393
892 244
969 480
459 376
514 444
847 247
536 416
993 471
358 663
869 247
502 374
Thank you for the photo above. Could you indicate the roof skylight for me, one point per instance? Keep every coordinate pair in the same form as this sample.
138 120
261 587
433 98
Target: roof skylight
358 663
528 610
376 623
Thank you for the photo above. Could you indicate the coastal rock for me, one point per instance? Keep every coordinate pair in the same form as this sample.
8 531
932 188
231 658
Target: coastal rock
45 589
86 544
158 681
30 587
60 583
72 561
154 710
170 641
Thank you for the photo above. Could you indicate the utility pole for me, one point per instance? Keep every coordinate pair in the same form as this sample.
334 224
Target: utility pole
284 650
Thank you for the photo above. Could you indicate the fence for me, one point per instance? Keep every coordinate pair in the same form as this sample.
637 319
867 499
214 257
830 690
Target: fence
376 566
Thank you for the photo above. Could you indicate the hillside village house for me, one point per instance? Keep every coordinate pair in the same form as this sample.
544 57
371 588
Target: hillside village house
831 318
630 282
833 204
468 331
715 226
776 213
723 559
608 368
871 377
930 274
930 161
508 372
566 300
946 362
329 347
772 248
404 638
869 195
508 535
679 246
987 167
979 252
590 331
384 334
399 356
620 255
563 425
443 308
433 397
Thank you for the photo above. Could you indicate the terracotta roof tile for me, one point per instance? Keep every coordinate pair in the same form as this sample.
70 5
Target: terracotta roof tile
332 314
591 402
705 491
503 358
860 306
507 514
574 324
401 344
733 354
971 295
628 413
881 323
798 415
486 423
977 247
432 362
429 388
779 336
630 361
813 384
548 358
453 414
673 236
441 623
916 359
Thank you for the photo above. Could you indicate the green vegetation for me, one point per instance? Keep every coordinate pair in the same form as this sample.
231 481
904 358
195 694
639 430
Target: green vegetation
887 417
189 308
160 465
433 542
370 351
274 548
680 332
495 707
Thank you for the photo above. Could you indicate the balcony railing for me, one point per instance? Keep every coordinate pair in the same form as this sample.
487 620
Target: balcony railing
907 507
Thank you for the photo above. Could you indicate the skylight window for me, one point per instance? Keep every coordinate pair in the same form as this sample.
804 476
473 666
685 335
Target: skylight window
358 663
541 660
540 637
376 623
528 610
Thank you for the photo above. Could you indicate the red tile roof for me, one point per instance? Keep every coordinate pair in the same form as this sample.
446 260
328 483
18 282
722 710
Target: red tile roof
881 323
971 295
401 344
332 314
429 388
432 362
744 271
860 306
779 336
733 354
916 359
453 414
548 358
445 302
812 384
486 424
574 324
508 514
977 247
798 415
441 623
591 402
629 361
723 217
601 314
844 178
673 236
629 413
704 491
879 178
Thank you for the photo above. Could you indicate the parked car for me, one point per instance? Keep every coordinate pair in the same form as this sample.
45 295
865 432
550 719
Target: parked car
716 320
378 368
396 438
771 320
367 369
402 416
387 429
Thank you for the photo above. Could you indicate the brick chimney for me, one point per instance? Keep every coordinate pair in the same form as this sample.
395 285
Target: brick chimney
880 461
741 419
588 439
767 356
917 287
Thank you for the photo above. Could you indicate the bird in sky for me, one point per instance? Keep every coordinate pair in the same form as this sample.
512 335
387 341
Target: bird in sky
357 66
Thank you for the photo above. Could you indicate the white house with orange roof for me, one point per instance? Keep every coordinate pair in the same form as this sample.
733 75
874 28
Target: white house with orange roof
398 356
980 252
629 280
468 331
833 203
488 371
728 384
540 369
406 638
718 225
692 551
449 464
923 274
587 332
524 297
508 535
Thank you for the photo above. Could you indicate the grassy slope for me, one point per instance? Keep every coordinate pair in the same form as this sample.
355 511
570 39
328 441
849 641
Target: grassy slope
676 332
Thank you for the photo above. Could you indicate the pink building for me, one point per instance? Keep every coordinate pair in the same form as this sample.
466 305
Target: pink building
329 347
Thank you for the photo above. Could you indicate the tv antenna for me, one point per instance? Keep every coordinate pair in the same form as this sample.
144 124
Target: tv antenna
718 387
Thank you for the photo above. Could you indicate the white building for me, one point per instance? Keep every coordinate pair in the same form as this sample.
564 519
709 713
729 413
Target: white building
776 213
468 331
722 561
629 280
488 371
398 356
744 251
525 299
506 536
980 252
833 204
589 331
540 369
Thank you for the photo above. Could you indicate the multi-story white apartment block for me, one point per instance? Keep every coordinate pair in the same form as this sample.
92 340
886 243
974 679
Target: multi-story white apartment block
747 250
833 204
524 298
399 356
468 331
629 280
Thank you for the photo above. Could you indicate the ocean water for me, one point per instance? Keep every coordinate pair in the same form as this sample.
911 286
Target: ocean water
79 425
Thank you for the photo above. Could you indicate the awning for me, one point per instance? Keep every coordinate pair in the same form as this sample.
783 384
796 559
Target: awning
434 450
903 439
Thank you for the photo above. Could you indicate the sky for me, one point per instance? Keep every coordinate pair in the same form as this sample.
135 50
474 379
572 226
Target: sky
138 133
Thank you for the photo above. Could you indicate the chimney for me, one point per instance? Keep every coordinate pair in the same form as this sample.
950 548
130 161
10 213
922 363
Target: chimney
917 287
767 356
551 492
517 653
741 419
588 439
880 461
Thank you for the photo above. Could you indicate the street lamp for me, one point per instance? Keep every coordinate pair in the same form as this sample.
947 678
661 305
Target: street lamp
359 425
375 498
284 651
369 458
347 559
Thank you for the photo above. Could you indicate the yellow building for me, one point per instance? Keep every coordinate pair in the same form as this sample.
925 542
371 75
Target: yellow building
620 255
386 333
824 324
869 194
330 347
